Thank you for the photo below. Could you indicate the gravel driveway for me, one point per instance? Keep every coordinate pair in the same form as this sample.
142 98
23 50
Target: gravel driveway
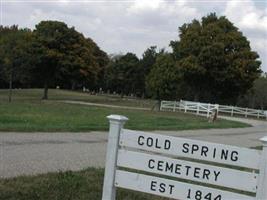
35 153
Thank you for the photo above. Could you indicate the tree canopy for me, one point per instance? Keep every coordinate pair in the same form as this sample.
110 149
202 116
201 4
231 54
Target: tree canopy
163 79
211 61
215 60
13 55
122 75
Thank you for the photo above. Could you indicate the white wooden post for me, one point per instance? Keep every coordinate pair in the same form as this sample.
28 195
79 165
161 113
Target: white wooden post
208 111
262 184
198 108
116 124
217 108
258 114
174 106
185 106
161 104
180 105
246 114
232 112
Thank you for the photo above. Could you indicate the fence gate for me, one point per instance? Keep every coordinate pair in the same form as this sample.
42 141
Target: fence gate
181 168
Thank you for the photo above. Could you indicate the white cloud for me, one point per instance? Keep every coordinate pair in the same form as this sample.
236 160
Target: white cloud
247 15
121 26
252 21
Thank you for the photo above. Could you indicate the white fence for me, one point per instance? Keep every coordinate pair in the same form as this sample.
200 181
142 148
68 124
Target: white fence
207 109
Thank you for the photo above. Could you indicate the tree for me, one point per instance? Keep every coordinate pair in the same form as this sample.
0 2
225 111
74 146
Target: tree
146 63
256 97
215 60
122 74
102 61
163 79
63 55
13 55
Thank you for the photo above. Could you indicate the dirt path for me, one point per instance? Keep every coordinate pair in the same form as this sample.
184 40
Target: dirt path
103 105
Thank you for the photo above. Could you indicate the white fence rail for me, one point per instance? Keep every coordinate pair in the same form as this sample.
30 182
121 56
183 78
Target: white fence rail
207 109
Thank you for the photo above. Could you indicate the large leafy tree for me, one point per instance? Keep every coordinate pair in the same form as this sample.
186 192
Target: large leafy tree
102 61
163 79
256 97
215 60
146 63
14 65
62 55
122 74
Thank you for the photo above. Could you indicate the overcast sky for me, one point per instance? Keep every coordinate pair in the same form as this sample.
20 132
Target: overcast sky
132 26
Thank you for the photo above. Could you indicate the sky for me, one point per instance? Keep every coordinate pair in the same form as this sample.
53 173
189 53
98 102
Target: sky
121 26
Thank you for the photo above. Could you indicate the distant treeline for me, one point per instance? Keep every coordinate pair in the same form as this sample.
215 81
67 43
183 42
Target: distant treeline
211 61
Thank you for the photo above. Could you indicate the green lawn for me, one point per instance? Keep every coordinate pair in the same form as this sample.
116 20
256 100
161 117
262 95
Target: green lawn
54 94
82 185
28 113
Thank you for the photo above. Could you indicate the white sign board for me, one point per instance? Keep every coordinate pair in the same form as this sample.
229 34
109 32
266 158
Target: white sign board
195 149
181 168
172 189
204 173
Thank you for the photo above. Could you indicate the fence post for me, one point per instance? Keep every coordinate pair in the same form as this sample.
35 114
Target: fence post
208 111
185 106
160 108
232 112
258 114
246 114
262 184
116 123
174 106
198 108
217 108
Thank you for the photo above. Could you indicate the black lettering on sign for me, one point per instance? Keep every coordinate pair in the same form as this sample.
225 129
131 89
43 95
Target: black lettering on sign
167 144
156 143
151 163
195 147
149 142
178 169
185 148
206 174
161 187
160 165
187 170
224 154
199 195
204 151
153 185
140 140
212 152
216 175
196 172
169 167
234 156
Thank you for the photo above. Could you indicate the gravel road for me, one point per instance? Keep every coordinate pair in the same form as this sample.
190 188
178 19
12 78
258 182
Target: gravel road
35 153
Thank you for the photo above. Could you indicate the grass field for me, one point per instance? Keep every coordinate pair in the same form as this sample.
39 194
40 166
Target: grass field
28 113
82 185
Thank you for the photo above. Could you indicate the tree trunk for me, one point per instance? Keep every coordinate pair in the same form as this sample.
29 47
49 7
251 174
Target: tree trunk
45 91
10 87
